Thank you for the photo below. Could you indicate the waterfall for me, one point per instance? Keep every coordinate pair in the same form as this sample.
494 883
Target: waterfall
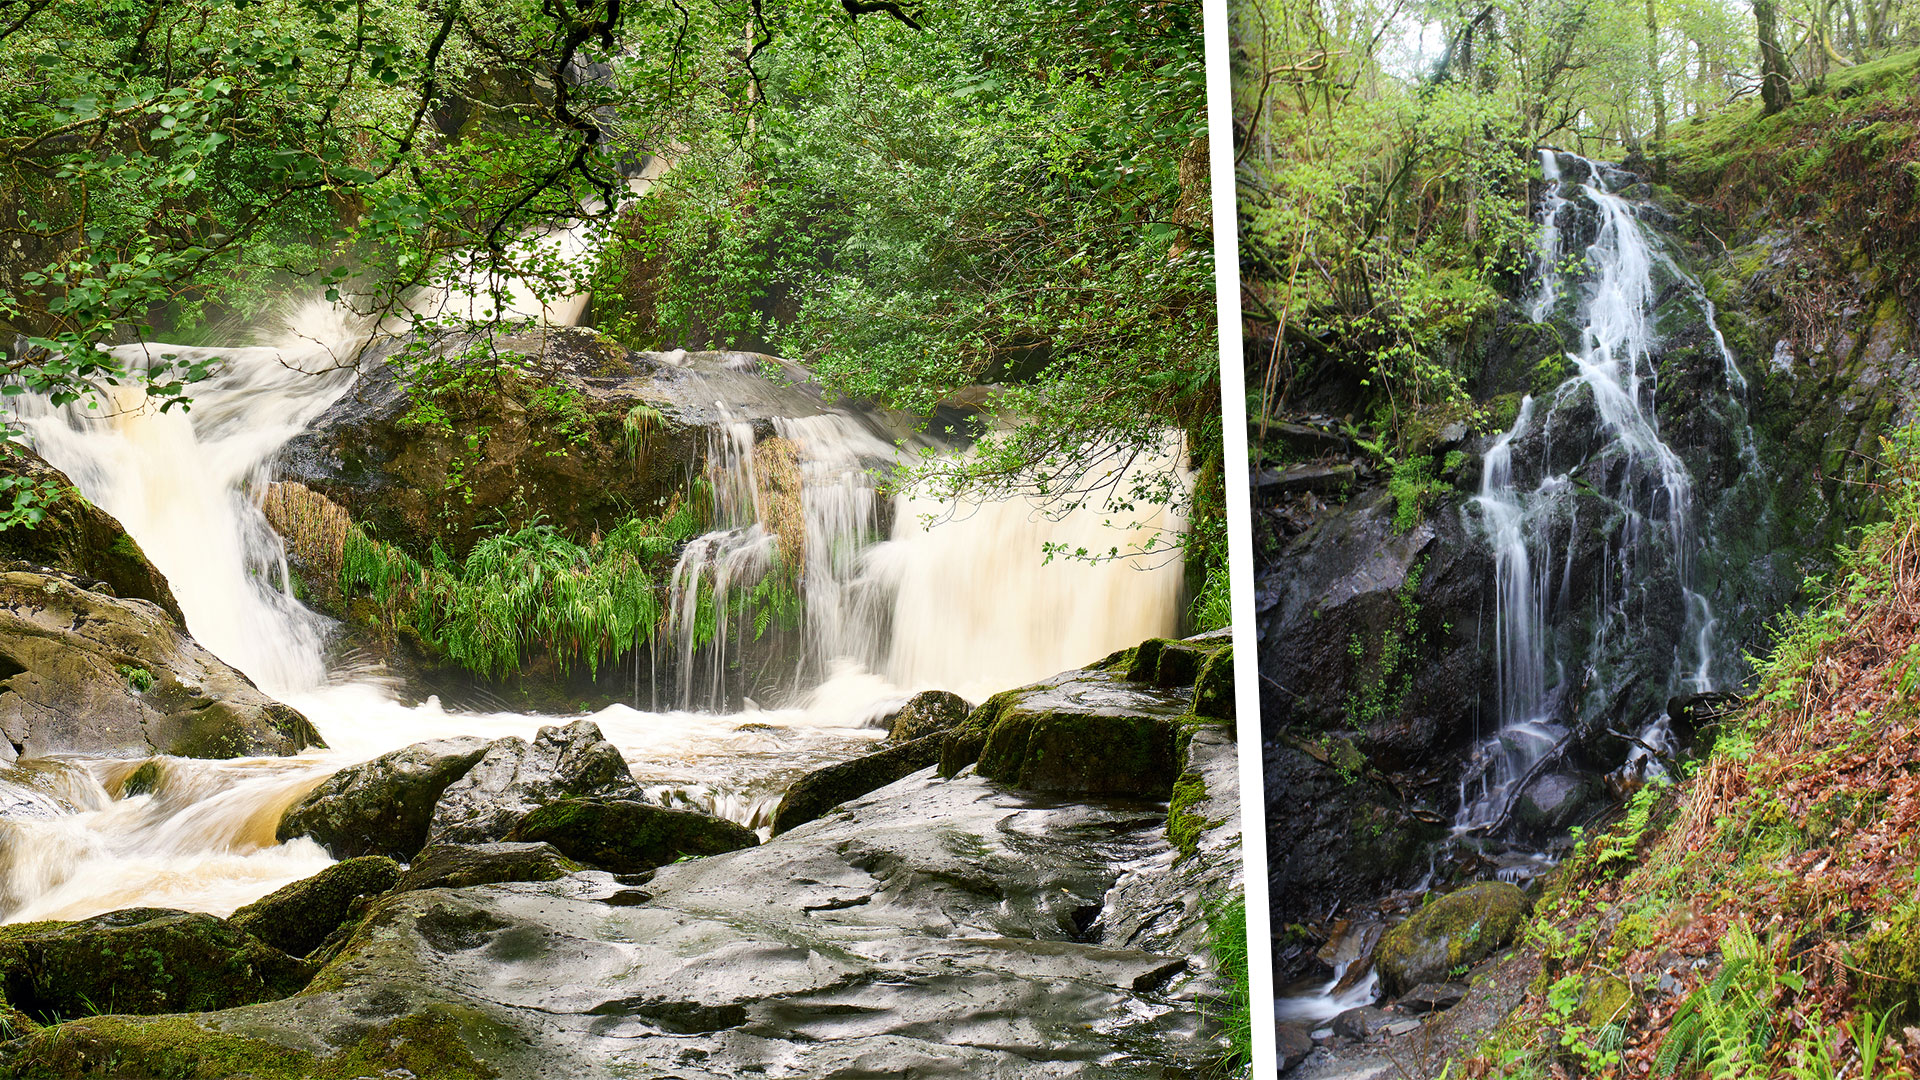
900 593
1590 460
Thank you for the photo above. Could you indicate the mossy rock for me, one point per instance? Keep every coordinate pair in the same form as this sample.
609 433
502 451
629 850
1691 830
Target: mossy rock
81 539
823 789
383 806
297 918
1090 751
430 1042
1888 962
1213 687
928 713
142 961
144 780
626 836
1453 931
460 866
961 745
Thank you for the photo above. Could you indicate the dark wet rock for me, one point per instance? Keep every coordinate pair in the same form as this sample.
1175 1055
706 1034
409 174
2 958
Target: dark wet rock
821 790
626 836
383 806
1337 834
1432 997
937 928
297 918
1361 1024
1295 1043
85 672
1555 802
929 712
1213 687
141 961
458 866
78 538
1452 931
413 484
514 777
1084 732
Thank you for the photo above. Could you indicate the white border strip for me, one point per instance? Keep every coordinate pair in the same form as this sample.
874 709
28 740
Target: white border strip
1233 414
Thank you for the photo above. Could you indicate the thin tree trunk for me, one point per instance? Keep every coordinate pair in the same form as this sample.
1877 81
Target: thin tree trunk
1659 89
1776 92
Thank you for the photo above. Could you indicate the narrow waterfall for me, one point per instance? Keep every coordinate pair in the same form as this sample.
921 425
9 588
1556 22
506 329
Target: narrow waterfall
893 603
1590 513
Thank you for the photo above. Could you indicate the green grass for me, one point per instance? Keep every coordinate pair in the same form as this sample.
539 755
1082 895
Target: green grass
1227 938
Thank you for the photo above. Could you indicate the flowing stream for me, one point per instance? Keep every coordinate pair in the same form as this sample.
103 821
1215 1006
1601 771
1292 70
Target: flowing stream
894 603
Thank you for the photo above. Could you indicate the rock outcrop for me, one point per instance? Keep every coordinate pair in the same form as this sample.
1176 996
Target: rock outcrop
514 777
626 836
83 671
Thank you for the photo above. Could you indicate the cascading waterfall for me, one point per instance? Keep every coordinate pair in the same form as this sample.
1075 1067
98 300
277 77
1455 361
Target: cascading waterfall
891 606
1631 485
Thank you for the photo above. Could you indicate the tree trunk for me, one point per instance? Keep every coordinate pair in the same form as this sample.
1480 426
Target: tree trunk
1776 92
1659 91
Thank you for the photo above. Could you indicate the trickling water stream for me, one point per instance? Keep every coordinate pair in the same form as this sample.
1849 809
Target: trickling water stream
892 607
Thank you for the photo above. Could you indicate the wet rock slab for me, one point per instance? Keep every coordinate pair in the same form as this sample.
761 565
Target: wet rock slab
933 927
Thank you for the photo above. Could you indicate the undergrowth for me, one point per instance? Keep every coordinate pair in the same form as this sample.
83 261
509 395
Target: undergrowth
1761 917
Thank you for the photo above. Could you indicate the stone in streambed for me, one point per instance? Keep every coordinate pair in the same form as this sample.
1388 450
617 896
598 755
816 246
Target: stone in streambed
141 961
514 778
1361 1024
460 866
1432 997
297 918
626 836
823 789
79 538
1086 732
383 806
928 713
1294 1043
1457 929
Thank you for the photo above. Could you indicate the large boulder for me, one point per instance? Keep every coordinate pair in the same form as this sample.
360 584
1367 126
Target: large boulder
626 836
555 443
83 671
823 789
460 866
515 777
297 918
1448 933
929 712
383 806
141 961
1085 733
81 539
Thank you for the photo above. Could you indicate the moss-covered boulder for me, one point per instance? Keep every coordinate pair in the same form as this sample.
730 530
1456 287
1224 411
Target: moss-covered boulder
81 539
1213 686
1888 960
1451 932
1087 734
823 789
929 712
626 836
141 961
383 806
83 671
297 918
459 866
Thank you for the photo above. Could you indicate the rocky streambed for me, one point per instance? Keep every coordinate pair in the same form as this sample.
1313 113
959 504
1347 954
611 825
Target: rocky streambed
1015 889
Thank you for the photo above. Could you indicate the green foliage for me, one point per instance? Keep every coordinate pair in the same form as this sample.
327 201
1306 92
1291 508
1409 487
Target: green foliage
524 592
1212 609
139 678
1726 1025
1385 670
1621 844
1413 488
1227 940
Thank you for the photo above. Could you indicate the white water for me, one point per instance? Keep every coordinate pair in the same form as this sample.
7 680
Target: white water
1651 530
966 606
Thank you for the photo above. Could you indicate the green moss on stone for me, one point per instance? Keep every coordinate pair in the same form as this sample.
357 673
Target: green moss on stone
143 780
297 918
1888 960
1184 827
1458 929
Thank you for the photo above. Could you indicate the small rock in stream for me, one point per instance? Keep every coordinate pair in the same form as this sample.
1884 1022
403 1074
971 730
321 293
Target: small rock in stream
1432 997
1360 1024
1294 1045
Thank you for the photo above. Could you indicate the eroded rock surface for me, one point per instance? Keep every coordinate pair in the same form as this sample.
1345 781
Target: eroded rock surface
383 806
